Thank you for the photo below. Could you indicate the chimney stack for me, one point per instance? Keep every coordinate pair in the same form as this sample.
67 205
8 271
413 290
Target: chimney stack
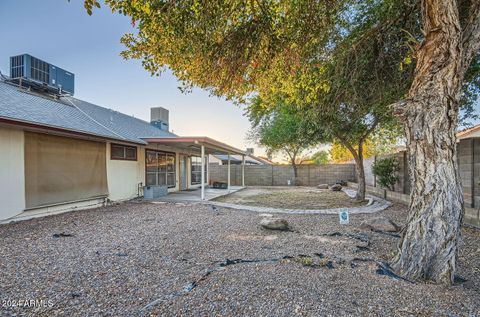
249 151
159 118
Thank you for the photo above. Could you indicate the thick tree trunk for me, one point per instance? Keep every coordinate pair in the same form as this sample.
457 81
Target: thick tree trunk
358 156
293 161
360 172
428 246
295 170
361 179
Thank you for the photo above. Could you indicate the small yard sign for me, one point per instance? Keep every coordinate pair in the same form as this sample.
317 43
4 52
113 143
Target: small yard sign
343 215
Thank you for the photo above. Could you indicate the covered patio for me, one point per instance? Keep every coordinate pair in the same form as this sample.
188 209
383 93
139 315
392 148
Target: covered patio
196 195
204 146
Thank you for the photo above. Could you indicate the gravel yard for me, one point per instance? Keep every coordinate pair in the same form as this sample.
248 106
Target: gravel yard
145 259
291 198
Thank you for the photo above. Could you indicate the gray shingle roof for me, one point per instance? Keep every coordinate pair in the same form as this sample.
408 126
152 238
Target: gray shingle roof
73 114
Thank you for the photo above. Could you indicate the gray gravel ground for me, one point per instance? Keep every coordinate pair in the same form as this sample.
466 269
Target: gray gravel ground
143 259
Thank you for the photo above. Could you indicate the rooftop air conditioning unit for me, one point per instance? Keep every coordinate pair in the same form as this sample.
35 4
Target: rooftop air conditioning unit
33 72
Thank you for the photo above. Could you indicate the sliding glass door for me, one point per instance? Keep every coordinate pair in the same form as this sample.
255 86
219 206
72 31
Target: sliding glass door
196 169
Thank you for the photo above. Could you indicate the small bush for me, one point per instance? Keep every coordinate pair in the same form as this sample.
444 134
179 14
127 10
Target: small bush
386 171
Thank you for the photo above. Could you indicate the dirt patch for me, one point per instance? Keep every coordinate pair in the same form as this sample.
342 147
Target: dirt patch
291 198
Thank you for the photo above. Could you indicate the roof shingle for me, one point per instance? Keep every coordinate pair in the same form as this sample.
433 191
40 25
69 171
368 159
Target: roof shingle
73 114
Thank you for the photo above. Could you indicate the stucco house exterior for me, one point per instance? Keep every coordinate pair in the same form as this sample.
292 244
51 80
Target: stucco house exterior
59 153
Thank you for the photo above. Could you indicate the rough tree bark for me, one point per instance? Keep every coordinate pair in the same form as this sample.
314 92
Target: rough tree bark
293 162
428 246
359 169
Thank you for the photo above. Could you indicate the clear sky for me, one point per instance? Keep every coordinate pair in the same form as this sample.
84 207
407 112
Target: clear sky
62 33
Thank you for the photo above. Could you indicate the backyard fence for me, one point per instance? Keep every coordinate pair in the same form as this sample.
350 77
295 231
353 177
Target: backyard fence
468 159
280 175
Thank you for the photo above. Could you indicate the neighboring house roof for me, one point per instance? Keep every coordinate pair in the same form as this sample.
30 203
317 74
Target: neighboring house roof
19 105
235 160
249 159
263 160
469 133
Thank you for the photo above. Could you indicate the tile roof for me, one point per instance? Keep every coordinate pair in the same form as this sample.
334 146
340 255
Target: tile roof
73 114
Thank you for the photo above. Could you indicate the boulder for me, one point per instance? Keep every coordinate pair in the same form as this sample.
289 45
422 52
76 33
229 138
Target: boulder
322 186
380 224
274 224
336 187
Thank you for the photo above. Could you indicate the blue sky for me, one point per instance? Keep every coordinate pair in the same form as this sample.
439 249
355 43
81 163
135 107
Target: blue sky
62 33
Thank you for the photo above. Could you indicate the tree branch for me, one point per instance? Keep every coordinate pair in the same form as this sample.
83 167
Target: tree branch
367 133
348 146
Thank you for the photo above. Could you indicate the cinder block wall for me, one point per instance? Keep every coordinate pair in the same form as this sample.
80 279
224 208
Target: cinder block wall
279 175
403 183
465 152
468 158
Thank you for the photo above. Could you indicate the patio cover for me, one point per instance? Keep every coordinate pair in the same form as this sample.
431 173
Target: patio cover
211 146
206 146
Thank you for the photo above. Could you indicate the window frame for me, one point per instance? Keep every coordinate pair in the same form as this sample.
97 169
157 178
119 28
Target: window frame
124 158
199 172
166 172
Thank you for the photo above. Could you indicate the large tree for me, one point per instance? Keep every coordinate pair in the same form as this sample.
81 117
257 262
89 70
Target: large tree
285 129
235 48
430 112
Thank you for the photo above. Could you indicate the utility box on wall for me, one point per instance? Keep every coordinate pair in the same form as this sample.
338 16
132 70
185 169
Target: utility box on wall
29 70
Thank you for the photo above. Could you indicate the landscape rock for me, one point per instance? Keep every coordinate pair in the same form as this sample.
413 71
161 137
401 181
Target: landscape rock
322 186
380 224
274 224
336 187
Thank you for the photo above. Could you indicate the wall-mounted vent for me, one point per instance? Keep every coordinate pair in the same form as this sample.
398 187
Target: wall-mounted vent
33 72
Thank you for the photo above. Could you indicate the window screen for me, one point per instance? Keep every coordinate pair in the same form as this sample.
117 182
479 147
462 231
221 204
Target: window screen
123 152
60 170
160 168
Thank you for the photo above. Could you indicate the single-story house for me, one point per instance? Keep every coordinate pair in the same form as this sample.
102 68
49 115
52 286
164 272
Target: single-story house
59 153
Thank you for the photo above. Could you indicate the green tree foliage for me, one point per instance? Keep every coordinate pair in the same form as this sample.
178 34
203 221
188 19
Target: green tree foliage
386 171
282 129
381 142
344 61
320 157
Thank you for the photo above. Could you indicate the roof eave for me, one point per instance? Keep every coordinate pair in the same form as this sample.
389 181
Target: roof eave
25 123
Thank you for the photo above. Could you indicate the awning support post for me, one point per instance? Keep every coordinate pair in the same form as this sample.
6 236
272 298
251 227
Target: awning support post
228 172
203 173
243 170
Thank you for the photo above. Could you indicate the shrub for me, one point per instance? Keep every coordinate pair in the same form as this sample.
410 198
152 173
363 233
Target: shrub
386 171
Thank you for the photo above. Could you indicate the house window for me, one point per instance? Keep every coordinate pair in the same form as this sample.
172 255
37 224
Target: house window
160 168
196 169
123 152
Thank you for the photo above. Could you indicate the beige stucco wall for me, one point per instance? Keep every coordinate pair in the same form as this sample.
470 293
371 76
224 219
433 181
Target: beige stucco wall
12 176
124 177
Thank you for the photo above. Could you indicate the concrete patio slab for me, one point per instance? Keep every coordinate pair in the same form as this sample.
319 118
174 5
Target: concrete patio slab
195 195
